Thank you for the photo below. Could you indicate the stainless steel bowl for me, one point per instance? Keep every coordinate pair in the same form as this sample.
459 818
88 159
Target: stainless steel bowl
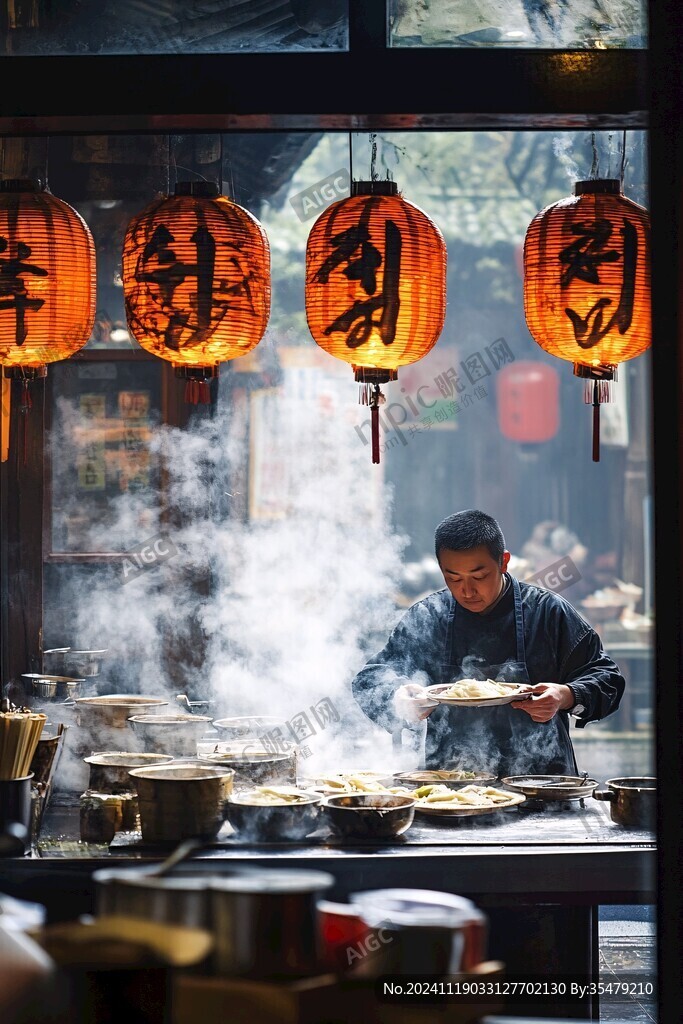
273 822
369 815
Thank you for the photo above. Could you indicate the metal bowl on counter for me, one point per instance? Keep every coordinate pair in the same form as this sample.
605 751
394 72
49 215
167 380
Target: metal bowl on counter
271 822
49 687
176 734
369 815
109 769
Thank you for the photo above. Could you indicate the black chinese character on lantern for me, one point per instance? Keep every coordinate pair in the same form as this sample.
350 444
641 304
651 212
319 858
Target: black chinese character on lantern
582 261
171 273
13 294
354 248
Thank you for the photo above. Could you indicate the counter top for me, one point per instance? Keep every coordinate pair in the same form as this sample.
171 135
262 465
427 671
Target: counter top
567 852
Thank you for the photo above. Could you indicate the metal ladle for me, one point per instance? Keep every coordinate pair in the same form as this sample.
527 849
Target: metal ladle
180 854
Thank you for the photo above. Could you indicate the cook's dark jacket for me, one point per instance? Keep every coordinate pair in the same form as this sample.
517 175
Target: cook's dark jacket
559 647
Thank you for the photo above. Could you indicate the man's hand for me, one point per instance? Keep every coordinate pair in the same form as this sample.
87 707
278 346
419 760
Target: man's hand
411 705
548 699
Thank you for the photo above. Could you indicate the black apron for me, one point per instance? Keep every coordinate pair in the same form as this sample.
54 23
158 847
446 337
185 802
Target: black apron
500 739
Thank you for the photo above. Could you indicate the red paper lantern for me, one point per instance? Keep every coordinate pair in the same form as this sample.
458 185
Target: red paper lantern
375 286
196 282
587 285
528 402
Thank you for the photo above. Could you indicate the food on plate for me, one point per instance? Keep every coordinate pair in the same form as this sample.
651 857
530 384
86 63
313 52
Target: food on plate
478 689
439 775
358 782
468 796
272 795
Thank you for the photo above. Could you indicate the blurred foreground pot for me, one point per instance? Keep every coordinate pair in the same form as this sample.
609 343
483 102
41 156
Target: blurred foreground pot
266 925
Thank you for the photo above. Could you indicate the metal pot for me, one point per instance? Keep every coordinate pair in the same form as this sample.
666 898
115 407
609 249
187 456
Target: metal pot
109 769
112 710
175 734
179 801
266 926
633 801
84 663
171 899
48 687
267 770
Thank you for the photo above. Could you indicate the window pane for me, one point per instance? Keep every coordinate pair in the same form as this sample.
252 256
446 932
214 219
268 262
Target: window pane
69 28
275 502
104 414
525 23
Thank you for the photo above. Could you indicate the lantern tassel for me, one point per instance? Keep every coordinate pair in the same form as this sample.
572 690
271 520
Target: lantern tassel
376 398
197 392
596 423
374 418
25 405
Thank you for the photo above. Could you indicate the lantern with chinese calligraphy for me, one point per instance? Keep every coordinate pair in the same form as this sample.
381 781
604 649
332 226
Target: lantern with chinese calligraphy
587 285
196 282
47 280
375 286
528 402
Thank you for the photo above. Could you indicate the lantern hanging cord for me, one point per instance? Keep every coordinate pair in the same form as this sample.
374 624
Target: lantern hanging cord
350 156
595 166
623 160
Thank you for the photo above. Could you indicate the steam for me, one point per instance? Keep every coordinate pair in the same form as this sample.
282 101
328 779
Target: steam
283 604
562 146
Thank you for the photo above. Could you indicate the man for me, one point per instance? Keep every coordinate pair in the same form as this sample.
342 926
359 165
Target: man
487 624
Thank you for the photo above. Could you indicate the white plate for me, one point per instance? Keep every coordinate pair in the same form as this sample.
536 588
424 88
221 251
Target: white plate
463 810
517 692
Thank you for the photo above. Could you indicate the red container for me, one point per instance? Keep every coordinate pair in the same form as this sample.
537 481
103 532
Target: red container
343 935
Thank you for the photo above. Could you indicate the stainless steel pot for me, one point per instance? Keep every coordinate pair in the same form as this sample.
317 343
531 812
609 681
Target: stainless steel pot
172 899
633 801
267 770
109 769
84 663
47 687
266 925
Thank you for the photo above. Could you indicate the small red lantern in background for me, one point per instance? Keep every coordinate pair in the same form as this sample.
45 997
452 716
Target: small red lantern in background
528 402
196 282
375 286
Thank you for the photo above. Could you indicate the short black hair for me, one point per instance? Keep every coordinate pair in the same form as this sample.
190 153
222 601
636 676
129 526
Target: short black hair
470 529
